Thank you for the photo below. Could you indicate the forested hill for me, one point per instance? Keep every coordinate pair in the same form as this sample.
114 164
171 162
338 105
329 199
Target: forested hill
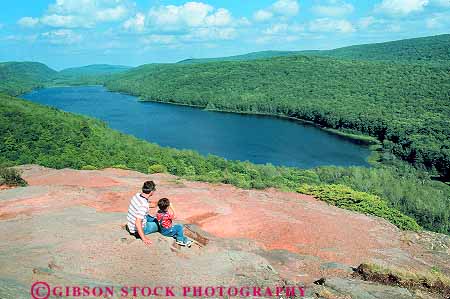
431 49
94 69
405 106
249 56
86 75
19 77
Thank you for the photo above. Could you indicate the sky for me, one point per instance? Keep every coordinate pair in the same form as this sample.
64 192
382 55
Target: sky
68 33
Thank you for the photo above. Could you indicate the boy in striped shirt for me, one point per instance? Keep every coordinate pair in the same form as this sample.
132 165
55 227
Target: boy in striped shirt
140 223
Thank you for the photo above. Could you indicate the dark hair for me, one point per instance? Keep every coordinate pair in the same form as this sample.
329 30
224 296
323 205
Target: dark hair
148 187
163 204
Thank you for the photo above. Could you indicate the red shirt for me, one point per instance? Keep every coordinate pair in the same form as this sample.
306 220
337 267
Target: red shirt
165 219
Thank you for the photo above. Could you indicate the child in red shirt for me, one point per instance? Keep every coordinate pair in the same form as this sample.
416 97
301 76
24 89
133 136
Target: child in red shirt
165 216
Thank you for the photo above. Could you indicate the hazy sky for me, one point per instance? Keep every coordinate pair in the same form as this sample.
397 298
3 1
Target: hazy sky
64 33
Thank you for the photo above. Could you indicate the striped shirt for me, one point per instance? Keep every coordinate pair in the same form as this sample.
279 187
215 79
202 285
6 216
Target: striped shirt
137 209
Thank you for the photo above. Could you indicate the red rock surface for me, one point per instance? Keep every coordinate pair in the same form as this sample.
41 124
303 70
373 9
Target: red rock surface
302 238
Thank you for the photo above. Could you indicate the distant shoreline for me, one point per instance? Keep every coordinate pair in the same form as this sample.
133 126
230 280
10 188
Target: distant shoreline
371 142
360 138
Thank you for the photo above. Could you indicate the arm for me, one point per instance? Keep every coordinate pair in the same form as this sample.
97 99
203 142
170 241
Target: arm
140 231
151 206
172 211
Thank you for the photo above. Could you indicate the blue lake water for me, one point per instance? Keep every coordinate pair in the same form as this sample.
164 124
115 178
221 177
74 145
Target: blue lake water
258 139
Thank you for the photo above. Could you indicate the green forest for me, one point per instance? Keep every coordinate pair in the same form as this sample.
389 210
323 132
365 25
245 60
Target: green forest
248 56
17 78
430 50
86 75
405 106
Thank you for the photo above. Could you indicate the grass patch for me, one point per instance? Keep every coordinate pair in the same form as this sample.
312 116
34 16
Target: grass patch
432 281
157 168
360 138
11 177
121 166
346 198
88 167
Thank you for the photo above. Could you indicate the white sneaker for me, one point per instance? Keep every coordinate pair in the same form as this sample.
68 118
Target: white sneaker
189 243
181 243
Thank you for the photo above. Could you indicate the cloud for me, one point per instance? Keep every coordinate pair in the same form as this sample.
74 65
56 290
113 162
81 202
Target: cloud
406 7
68 21
395 27
266 39
262 15
334 8
200 34
243 22
112 14
28 22
366 22
159 39
105 9
221 17
288 8
190 14
331 25
433 22
281 33
283 8
62 37
136 23
20 38
441 3
386 25
209 34
189 22
276 29
194 21
81 13
438 21
401 7
283 28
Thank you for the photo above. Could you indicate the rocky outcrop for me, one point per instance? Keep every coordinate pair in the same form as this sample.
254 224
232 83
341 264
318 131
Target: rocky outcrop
66 227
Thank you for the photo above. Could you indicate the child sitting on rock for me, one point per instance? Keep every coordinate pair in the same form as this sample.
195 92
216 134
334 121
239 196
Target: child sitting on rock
165 216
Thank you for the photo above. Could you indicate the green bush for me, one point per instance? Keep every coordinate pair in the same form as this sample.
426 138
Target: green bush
120 166
361 202
405 188
157 168
88 167
238 180
11 177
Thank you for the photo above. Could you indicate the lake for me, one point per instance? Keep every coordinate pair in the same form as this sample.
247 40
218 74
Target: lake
258 139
